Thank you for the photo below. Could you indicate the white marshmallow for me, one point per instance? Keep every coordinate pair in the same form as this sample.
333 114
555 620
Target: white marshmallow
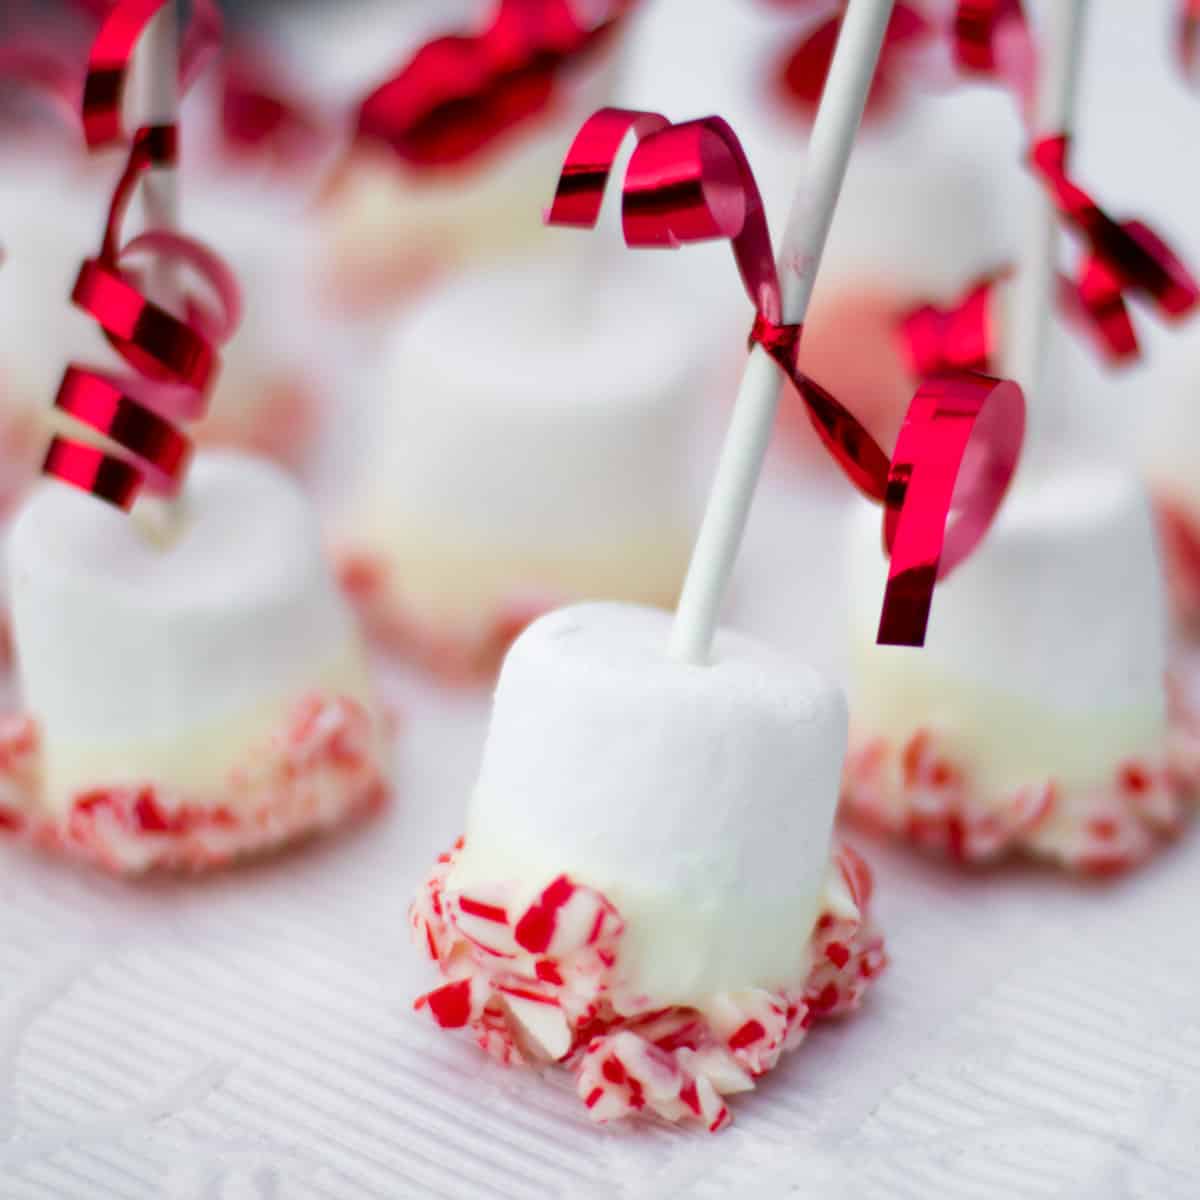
1170 441
526 445
699 800
920 214
1046 651
44 245
389 225
166 664
265 235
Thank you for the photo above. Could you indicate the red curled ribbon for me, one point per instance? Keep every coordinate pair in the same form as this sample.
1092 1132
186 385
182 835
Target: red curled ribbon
174 359
460 94
962 435
259 115
1137 258
1122 258
1188 37
112 56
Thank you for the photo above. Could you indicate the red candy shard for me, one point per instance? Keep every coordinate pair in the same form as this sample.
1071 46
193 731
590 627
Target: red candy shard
451 1005
535 930
669 1061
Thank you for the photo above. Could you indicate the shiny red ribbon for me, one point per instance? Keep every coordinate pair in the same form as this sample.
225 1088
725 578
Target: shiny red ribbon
961 438
111 58
460 94
1138 259
174 359
937 340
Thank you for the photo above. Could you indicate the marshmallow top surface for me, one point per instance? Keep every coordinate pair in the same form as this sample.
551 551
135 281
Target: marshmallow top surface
700 799
1053 629
119 638
531 417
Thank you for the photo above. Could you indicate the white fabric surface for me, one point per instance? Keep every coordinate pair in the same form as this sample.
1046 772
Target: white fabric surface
249 1037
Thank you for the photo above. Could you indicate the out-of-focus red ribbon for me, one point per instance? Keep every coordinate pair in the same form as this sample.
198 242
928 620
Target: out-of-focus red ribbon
958 338
174 359
962 435
460 94
1139 260
802 70
111 58
1123 259
259 115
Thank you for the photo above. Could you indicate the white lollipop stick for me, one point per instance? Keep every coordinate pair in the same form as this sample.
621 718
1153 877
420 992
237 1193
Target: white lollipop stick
156 70
1037 266
156 96
837 122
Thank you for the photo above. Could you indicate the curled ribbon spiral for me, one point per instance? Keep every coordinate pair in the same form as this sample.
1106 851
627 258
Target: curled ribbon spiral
961 437
174 360
1122 259
460 94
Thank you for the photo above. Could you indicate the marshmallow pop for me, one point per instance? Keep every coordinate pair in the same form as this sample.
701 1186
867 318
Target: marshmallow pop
646 893
192 688
1040 718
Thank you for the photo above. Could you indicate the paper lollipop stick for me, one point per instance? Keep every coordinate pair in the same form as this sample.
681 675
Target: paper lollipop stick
1053 114
691 182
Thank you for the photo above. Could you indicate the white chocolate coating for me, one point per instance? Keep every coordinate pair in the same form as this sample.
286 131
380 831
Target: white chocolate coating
1046 651
390 226
143 663
1170 442
526 446
699 800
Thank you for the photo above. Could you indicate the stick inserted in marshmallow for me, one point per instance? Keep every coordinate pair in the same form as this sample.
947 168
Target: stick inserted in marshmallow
745 447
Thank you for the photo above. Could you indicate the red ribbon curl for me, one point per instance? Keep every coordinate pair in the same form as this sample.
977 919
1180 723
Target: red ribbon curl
961 438
174 359
460 94
111 58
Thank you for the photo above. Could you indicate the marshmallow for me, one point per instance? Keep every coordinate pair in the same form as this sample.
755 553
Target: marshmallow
1045 661
698 799
527 447
920 215
267 392
171 664
43 246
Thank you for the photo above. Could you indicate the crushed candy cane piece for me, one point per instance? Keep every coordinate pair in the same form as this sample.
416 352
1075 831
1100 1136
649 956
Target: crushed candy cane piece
916 791
535 979
319 770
